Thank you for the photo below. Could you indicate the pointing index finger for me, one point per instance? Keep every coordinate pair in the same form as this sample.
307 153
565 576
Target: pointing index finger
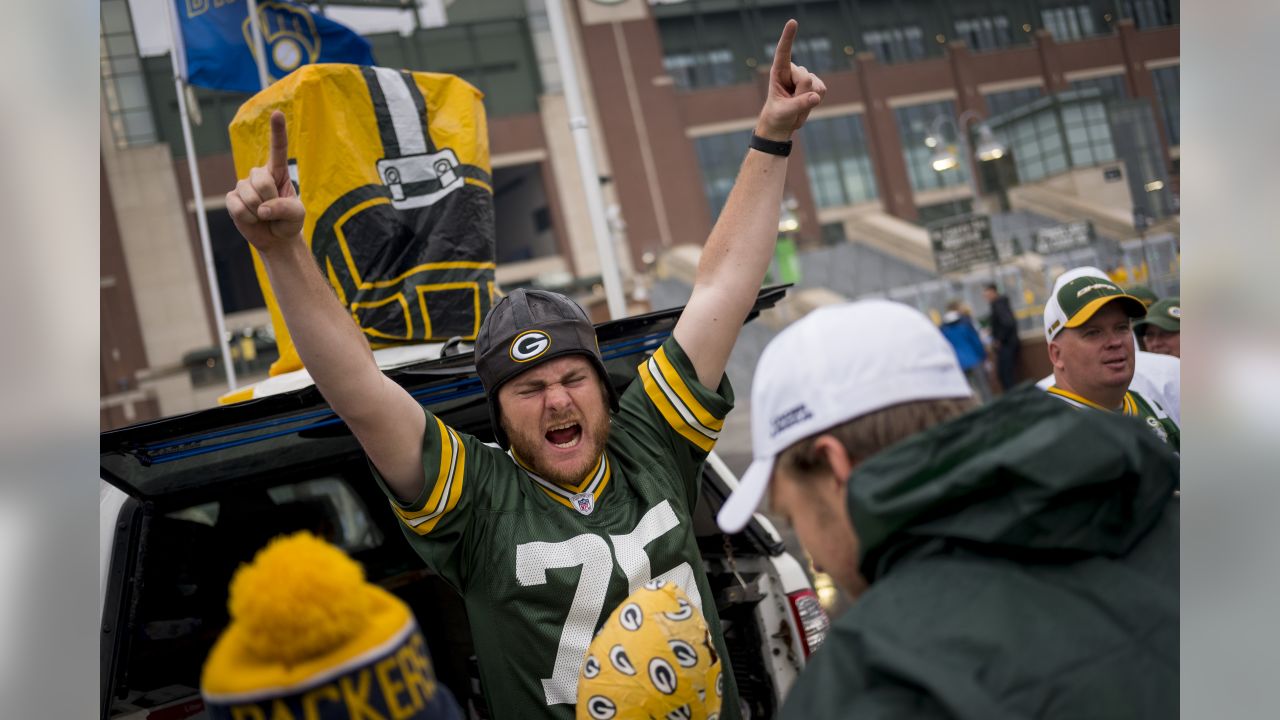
782 54
278 160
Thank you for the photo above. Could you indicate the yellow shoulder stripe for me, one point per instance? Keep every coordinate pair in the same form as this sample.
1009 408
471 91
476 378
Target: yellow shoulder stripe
673 417
1055 390
677 384
447 489
1130 405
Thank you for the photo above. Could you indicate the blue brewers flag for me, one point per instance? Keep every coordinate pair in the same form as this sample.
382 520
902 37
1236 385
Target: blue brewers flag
214 40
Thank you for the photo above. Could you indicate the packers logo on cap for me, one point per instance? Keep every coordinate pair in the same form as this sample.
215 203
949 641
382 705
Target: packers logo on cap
530 345
662 663
1175 312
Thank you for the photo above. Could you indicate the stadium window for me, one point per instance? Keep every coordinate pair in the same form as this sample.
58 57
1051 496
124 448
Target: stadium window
1111 86
703 68
896 44
988 32
840 174
914 124
999 103
1088 132
814 53
719 157
1149 13
1167 81
1069 22
124 87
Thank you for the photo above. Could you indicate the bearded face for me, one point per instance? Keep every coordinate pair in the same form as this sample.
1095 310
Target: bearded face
556 416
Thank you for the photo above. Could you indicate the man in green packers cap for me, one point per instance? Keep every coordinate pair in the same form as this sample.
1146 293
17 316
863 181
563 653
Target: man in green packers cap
1161 330
1088 326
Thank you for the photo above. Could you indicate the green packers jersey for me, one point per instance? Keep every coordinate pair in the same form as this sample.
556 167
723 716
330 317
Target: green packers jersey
1135 405
540 566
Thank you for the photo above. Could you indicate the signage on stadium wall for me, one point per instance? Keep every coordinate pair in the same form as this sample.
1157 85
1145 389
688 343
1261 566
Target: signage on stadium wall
961 245
1061 238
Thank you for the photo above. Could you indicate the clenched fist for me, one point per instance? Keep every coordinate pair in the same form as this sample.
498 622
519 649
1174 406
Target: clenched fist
264 206
793 92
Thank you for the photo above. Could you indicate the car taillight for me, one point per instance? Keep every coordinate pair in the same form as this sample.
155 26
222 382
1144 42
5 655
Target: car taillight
810 618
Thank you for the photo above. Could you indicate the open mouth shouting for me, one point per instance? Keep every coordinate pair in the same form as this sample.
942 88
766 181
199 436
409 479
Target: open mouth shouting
565 435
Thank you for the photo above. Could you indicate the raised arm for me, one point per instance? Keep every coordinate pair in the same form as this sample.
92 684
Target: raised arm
388 422
738 252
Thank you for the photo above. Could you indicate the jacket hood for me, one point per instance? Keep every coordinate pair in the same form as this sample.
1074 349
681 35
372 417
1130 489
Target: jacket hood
1025 477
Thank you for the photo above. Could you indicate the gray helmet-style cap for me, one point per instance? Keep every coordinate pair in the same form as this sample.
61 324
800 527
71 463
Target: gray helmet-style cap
525 329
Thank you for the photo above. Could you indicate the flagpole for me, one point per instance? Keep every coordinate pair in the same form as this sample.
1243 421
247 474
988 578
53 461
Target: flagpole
197 192
259 50
609 275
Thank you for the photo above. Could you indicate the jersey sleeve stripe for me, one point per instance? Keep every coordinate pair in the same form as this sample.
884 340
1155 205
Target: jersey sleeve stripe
661 401
687 414
448 486
445 443
677 383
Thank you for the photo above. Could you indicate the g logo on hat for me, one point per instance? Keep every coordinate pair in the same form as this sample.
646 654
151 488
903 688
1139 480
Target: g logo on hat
529 345
1175 311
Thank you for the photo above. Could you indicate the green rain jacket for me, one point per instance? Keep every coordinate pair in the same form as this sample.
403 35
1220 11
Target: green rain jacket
1023 562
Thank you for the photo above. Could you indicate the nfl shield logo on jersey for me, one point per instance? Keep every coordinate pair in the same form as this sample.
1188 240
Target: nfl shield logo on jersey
584 503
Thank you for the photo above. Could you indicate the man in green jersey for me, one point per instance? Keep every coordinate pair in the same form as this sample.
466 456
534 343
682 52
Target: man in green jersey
1088 325
591 495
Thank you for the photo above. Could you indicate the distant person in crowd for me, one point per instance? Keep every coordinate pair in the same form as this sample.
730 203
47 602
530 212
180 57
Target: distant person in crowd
999 569
1160 331
307 630
1144 293
958 329
1157 377
1088 327
1004 337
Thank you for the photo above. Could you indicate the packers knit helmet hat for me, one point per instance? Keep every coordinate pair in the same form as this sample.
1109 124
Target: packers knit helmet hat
525 329
835 364
1075 301
1165 314
307 627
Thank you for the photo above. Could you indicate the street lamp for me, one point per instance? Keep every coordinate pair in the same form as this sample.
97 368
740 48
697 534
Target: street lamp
943 159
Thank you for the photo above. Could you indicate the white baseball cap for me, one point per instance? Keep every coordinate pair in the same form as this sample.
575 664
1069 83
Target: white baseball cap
1074 306
838 363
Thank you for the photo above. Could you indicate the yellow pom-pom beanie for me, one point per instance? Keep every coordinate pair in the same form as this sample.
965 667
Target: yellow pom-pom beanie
653 658
310 638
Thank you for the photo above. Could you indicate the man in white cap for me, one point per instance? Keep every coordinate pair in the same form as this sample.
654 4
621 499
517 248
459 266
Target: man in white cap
1156 377
1017 560
1088 324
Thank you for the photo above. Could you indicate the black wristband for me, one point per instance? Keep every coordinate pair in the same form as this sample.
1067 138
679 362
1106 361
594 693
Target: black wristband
773 147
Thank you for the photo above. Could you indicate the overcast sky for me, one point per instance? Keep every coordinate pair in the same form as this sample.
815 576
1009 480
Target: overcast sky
151 21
